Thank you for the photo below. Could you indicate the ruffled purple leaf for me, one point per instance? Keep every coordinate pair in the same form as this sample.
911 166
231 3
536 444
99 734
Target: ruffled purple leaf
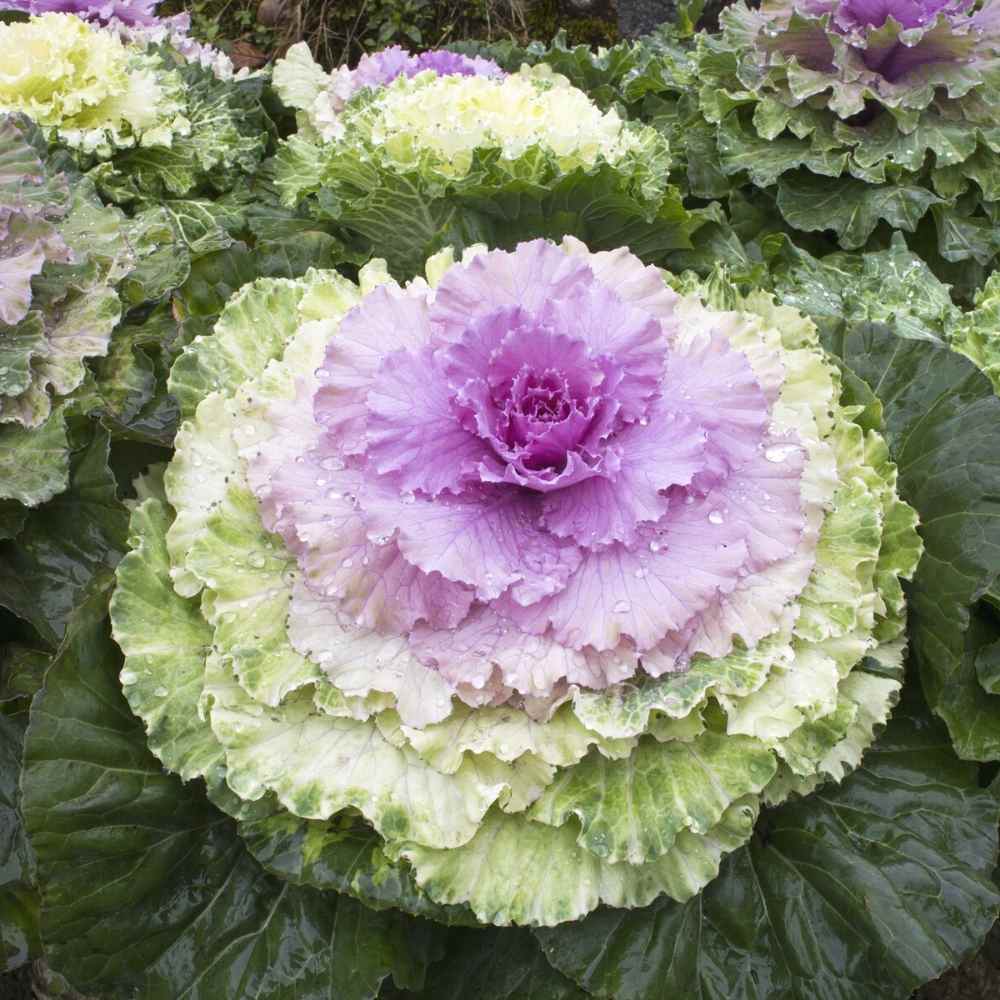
937 31
30 204
530 476
138 13
378 69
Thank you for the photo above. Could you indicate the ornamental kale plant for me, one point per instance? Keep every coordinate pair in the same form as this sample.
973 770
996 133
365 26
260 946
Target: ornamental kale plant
857 114
61 255
410 154
461 557
136 21
146 121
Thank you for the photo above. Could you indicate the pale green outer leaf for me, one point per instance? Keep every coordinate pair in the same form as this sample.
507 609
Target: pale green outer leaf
247 572
254 328
298 79
632 810
866 701
518 871
841 596
561 740
977 335
204 459
801 690
666 730
34 464
318 765
804 749
898 559
333 701
624 710
165 641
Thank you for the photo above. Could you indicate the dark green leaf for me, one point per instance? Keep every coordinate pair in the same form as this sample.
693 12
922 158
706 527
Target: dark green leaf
22 669
988 667
12 518
941 420
19 939
851 208
496 964
66 543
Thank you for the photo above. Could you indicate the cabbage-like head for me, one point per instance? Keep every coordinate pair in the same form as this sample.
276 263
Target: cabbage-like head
438 159
859 111
435 110
302 83
540 572
891 52
84 85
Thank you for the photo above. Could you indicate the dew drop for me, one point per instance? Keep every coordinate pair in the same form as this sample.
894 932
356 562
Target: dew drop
257 561
621 608
715 517
640 573
161 692
347 563
778 453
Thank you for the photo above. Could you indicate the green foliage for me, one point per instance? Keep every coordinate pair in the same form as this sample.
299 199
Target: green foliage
343 31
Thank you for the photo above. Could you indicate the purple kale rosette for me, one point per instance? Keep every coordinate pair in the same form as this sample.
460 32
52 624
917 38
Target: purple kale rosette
555 468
